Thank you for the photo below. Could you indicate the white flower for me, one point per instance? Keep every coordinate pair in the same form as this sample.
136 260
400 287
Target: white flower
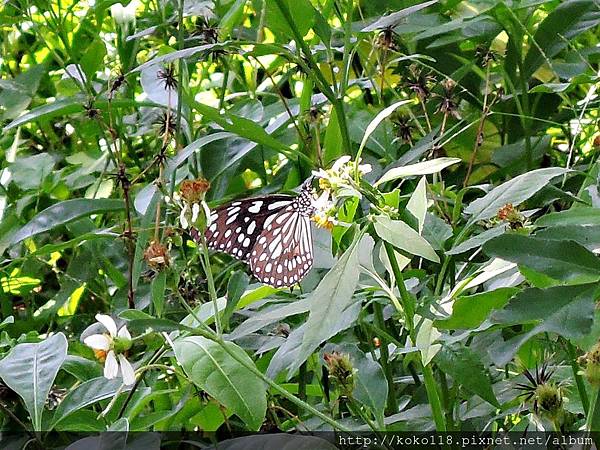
339 179
124 15
110 347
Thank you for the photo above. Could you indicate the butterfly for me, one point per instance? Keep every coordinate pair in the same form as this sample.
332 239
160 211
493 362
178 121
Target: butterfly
271 233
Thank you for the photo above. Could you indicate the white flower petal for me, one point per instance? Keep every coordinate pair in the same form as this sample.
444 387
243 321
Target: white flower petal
322 202
108 323
364 168
127 371
97 342
124 332
182 219
195 212
111 367
206 213
341 162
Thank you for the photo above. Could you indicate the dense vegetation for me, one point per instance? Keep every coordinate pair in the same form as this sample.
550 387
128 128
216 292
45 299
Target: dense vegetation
455 282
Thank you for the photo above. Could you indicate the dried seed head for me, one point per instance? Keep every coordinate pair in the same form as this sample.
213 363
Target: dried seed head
157 255
192 191
167 75
511 215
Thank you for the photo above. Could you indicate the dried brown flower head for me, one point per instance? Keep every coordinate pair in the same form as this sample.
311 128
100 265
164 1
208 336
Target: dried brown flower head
157 255
192 191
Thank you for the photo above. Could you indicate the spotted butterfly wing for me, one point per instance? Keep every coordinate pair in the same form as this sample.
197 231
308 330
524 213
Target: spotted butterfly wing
271 233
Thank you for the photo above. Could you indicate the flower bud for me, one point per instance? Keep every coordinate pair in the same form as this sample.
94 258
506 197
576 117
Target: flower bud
340 369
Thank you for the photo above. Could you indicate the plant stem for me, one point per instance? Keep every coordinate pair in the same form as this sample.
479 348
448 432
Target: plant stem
392 404
585 402
211 283
434 399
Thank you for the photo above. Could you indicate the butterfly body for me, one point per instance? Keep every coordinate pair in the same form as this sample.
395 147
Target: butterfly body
271 233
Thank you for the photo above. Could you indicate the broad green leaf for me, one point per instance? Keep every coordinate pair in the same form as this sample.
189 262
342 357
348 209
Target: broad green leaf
586 235
425 341
302 12
421 168
465 367
332 144
158 293
514 191
393 19
30 370
402 236
471 310
417 203
564 310
215 371
380 117
86 394
327 302
553 34
65 212
573 216
566 261
477 240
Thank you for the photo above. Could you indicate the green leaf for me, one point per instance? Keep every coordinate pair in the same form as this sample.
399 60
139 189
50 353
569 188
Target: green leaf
564 310
68 105
465 367
514 191
573 216
585 235
471 310
65 212
394 19
302 12
566 261
212 369
158 293
421 168
86 394
30 370
568 19
327 302
332 144
477 240
380 117
426 336
402 236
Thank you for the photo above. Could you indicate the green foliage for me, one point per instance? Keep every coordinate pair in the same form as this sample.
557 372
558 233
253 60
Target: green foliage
457 144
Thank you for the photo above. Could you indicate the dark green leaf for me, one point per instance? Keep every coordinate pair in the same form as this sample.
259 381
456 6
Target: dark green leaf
30 370
65 212
566 261
212 369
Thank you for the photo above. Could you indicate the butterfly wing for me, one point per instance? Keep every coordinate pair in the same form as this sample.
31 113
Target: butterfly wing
235 227
283 252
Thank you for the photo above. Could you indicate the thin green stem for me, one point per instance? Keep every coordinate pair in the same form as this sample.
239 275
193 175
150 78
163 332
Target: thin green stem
585 402
434 399
211 283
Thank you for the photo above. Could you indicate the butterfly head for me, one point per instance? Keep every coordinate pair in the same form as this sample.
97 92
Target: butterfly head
306 199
